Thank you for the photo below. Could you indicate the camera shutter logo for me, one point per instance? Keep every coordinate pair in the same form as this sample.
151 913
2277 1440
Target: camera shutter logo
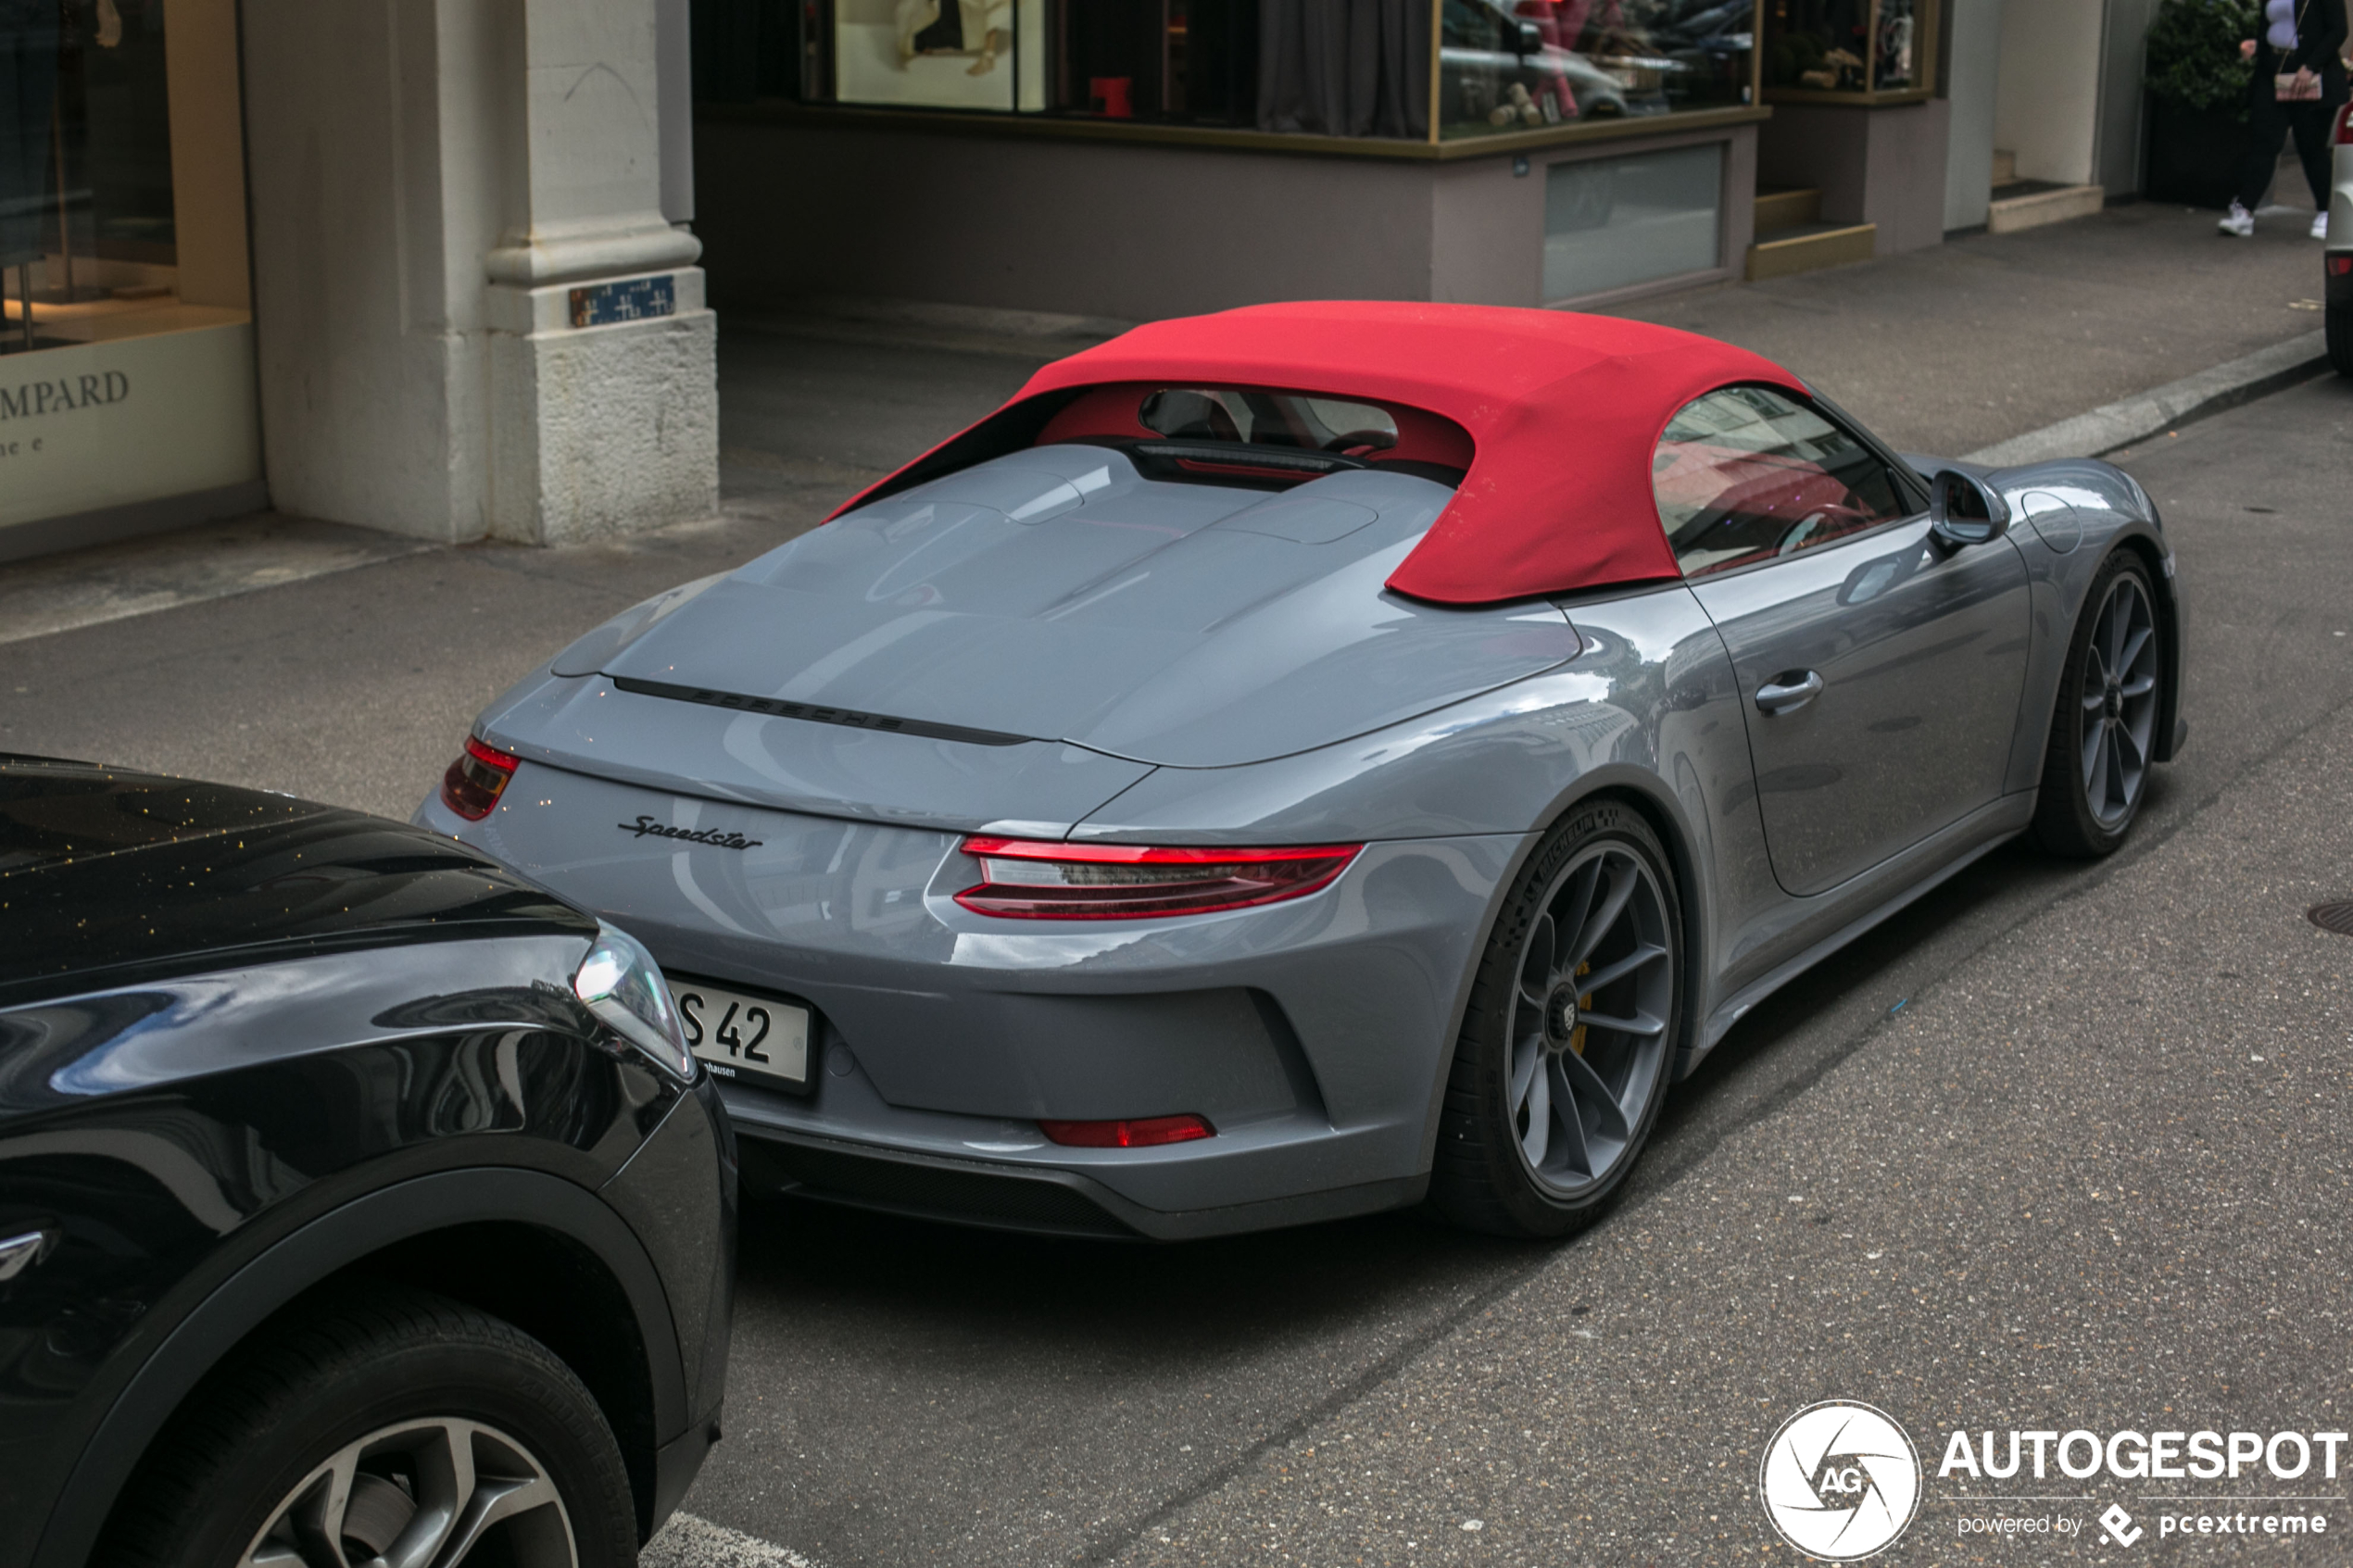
1841 1481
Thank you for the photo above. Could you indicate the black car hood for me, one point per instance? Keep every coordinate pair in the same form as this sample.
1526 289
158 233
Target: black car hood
108 876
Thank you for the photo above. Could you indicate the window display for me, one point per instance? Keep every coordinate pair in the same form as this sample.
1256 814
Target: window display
1520 65
1849 48
1304 67
945 54
1176 61
128 353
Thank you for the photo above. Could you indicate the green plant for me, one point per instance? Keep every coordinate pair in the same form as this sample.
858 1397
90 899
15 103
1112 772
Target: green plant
2194 52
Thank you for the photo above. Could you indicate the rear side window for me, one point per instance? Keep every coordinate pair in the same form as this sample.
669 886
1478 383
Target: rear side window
1269 419
1749 473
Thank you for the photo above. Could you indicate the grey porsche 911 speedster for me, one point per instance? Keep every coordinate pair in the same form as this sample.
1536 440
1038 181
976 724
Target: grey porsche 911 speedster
1316 759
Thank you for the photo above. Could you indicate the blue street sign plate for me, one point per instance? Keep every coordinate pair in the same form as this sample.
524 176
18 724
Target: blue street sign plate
638 299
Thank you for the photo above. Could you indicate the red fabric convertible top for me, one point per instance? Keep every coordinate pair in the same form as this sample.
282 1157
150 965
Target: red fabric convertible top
1564 411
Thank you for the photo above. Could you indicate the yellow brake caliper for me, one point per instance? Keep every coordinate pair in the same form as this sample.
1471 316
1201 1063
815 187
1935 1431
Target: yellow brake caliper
1577 1035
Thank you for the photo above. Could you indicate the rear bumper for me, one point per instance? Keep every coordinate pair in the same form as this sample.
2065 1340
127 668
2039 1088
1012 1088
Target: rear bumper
1027 1197
1313 1035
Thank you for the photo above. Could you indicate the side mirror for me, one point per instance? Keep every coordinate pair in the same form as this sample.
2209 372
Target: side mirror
1529 39
1961 511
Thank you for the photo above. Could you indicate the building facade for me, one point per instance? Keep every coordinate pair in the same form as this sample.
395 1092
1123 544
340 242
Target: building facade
438 266
418 265
1136 158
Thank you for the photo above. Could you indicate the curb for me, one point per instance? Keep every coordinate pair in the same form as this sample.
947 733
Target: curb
2165 407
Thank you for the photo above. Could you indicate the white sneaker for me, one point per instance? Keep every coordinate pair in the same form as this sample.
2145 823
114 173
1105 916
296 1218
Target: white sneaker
2238 220
2319 225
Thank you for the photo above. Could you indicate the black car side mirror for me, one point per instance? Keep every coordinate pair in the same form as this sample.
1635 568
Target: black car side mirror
1961 511
1529 39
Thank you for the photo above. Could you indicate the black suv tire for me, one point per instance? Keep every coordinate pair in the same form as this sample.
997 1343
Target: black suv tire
248 1447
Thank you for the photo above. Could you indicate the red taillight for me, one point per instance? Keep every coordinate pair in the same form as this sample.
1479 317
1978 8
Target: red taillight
1145 1132
1022 880
474 781
2344 137
2341 265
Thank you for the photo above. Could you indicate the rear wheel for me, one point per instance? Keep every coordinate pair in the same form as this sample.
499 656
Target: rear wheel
2103 738
400 1427
2340 329
1575 1016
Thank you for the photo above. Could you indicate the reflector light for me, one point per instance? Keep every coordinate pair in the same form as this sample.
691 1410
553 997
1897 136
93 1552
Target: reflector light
1026 880
2341 265
2344 137
1142 1133
474 781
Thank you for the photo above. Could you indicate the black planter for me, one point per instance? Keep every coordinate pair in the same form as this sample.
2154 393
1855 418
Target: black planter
2194 156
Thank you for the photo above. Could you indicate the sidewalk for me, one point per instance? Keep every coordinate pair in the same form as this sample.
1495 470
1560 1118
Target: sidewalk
1953 349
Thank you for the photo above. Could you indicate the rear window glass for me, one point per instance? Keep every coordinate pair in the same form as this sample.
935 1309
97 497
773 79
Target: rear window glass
1269 419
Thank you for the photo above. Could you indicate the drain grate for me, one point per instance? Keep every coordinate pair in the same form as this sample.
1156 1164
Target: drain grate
2337 916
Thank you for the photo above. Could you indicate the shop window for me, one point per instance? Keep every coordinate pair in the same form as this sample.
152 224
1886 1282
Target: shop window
1849 49
1613 223
1327 67
1522 65
1361 68
128 373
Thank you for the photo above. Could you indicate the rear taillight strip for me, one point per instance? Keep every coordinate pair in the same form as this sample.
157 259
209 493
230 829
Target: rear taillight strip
1026 879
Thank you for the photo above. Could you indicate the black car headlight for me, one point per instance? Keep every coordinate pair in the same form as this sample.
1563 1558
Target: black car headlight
621 984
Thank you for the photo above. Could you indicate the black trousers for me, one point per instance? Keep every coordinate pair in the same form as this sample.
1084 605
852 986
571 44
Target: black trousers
2269 122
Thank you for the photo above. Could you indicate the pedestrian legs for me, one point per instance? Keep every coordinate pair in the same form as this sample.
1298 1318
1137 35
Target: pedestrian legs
2311 123
2267 126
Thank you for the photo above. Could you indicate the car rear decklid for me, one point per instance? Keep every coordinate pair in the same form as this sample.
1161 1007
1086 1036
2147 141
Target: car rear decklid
1059 595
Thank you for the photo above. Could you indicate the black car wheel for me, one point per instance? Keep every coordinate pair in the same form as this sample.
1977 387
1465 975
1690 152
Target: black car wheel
404 1429
2096 768
1575 1017
2340 339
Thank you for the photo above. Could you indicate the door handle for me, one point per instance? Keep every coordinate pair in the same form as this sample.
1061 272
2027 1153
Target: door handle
1782 694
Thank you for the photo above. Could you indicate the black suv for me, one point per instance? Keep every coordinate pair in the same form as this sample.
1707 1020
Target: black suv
358 1199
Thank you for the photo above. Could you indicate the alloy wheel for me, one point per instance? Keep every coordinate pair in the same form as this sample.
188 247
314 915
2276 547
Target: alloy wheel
2118 703
422 1494
1589 1020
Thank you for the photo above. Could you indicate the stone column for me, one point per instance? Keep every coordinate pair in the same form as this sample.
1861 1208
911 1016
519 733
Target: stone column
473 316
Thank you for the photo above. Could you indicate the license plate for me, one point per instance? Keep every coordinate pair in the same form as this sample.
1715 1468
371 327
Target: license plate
748 1039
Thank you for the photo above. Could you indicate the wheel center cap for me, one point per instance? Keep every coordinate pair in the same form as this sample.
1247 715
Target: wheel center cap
2114 703
1560 1017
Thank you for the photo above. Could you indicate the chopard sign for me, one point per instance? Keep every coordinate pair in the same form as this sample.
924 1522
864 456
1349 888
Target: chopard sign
712 836
30 399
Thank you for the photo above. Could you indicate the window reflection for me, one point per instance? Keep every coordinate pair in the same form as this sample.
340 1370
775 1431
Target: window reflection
1519 65
1749 473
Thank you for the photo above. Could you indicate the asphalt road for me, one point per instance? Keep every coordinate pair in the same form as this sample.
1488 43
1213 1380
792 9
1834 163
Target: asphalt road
2064 1146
